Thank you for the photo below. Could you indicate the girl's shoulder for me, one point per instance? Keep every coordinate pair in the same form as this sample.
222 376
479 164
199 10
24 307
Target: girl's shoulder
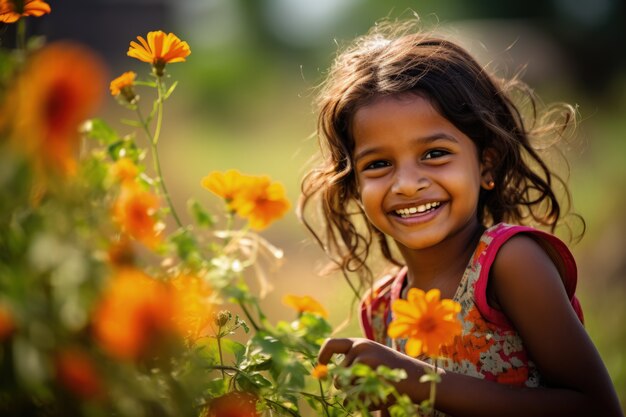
488 248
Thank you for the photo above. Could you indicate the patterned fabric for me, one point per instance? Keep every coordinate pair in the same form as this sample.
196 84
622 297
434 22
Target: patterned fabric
489 347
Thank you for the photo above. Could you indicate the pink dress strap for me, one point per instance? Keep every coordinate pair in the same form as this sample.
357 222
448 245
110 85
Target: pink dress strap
554 247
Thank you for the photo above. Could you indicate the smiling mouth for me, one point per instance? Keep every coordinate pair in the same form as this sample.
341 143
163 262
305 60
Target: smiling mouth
423 208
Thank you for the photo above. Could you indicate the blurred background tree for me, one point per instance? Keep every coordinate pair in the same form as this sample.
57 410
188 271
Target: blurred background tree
245 101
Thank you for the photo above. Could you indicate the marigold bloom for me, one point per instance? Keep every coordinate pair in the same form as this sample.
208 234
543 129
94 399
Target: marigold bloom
124 170
261 202
135 312
10 11
7 323
234 404
426 321
76 371
226 185
304 303
60 88
159 49
320 371
135 211
193 307
124 85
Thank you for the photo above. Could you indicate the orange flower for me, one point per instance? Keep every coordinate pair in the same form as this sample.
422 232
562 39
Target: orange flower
58 90
124 170
135 211
124 85
135 311
159 49
193 307
234 404
76 371
226 185
10 10
7 323
320 371
261 202
304 303
428 322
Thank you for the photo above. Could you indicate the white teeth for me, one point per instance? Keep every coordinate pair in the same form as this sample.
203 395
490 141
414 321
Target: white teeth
406 212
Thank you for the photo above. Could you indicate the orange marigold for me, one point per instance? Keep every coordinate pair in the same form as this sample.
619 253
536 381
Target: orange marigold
7 323
60 88
261 202
234 404
426 321
124 170
124 85
135 211
11 11
320 371
193 305
76 371
159 49
304 303
135 312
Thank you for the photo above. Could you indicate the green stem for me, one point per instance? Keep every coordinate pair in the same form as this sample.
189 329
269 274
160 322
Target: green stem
219 350
433 390
248 315
21 36
323 399
153 139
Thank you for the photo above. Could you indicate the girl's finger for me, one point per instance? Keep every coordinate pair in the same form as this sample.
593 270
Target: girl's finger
332 346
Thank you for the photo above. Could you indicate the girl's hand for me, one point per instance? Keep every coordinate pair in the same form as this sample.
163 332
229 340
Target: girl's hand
373 354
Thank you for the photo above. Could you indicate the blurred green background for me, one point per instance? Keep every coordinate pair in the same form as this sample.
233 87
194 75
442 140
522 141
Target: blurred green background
245 101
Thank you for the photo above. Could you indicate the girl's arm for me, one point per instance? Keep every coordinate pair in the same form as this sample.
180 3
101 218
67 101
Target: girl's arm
530 292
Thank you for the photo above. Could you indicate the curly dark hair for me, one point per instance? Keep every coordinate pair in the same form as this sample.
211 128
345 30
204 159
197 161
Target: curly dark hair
392 60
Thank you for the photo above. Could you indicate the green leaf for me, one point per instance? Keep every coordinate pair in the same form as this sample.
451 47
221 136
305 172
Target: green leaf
202 217
131 122
170 90
124 148
99 130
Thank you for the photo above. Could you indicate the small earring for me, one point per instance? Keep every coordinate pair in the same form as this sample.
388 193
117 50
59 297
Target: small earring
490 185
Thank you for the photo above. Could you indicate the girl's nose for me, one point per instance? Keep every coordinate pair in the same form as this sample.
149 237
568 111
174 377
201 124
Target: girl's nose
408 182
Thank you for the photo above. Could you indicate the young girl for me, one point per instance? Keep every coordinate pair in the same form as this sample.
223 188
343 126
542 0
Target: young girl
423 148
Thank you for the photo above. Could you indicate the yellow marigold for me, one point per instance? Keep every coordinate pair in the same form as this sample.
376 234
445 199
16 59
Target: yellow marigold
320 371
159 49
427 322
124 85
226 185
60 87
134 314
193 308
135 211
304 303
261 202
11 11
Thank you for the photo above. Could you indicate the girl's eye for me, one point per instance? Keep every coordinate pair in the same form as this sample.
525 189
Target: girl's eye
435 153
376 165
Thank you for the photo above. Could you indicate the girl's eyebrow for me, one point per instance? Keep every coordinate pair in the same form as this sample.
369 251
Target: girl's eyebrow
426 140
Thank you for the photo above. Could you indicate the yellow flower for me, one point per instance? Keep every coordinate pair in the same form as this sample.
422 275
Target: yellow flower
10 10
124 85
227 184
159 49
426 321
261 202
135 211
304 303
60 88
124 170
320 371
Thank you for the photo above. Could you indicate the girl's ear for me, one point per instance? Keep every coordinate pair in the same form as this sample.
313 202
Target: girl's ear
487 164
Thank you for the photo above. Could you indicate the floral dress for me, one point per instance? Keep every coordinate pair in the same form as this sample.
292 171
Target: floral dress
488 347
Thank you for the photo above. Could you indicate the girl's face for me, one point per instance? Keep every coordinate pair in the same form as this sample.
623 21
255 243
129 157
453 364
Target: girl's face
418 176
